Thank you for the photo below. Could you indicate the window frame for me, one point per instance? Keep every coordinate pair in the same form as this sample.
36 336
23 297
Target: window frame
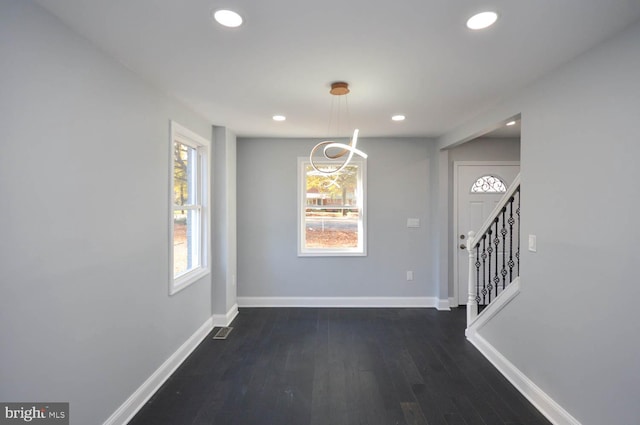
485 178
181 134
361 249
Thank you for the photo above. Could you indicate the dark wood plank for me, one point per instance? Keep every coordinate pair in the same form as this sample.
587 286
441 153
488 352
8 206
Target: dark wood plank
309 366
413 414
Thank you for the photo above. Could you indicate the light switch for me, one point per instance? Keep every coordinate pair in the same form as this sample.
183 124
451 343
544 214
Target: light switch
413 222
532 243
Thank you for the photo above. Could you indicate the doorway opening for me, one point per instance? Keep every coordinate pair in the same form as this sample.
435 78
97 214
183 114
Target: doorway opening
490 160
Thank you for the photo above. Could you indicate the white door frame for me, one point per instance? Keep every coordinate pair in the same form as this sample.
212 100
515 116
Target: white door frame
455 244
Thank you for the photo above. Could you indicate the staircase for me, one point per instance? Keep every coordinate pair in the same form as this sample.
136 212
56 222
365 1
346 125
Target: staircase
494 281
494 258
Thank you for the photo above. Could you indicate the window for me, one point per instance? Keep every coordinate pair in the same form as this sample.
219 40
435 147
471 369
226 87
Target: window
189 223
488 184
331 219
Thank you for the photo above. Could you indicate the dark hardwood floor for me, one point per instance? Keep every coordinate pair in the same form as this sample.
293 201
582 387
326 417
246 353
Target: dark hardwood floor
331 366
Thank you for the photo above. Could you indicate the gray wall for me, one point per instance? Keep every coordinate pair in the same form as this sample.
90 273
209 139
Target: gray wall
480 149
85 315
573 329
399 186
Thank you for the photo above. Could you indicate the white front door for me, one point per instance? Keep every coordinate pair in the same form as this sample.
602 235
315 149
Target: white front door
478 188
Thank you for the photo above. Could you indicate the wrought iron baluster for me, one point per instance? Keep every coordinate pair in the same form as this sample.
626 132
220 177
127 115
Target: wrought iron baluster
511 221
478 299
490 251
504 248
496 242
484 269
518 251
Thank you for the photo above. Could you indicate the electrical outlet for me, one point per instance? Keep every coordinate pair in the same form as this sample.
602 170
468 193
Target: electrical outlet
409 275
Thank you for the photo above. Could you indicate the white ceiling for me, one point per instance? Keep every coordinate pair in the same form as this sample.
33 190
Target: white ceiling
414 57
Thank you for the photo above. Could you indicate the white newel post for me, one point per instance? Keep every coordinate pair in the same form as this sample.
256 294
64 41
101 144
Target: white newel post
472 306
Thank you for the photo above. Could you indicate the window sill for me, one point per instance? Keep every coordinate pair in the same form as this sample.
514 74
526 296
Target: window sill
332 254
187 280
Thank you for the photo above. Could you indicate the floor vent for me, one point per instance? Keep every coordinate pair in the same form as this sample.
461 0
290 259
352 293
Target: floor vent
223 333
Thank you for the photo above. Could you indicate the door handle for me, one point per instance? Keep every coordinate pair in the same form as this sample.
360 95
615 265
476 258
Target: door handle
463 246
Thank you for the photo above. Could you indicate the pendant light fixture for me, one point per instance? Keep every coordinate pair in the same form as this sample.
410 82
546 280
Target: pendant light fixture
332 150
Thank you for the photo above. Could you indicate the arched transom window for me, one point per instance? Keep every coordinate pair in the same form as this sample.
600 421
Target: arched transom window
489 184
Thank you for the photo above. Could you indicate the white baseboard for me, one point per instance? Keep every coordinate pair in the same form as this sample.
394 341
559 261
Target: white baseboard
225 319
444 305
545 404
135 402
401 302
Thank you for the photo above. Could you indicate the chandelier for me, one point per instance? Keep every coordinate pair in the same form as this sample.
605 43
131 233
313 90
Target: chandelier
339 154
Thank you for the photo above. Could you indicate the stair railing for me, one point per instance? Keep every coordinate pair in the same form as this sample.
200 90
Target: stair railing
494 254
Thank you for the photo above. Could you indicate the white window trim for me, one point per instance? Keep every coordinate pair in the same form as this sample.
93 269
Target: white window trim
360 251
185 136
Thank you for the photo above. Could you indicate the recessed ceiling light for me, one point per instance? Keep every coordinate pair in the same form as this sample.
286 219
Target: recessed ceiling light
398 118
279 118
482 20
510 123
228 18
